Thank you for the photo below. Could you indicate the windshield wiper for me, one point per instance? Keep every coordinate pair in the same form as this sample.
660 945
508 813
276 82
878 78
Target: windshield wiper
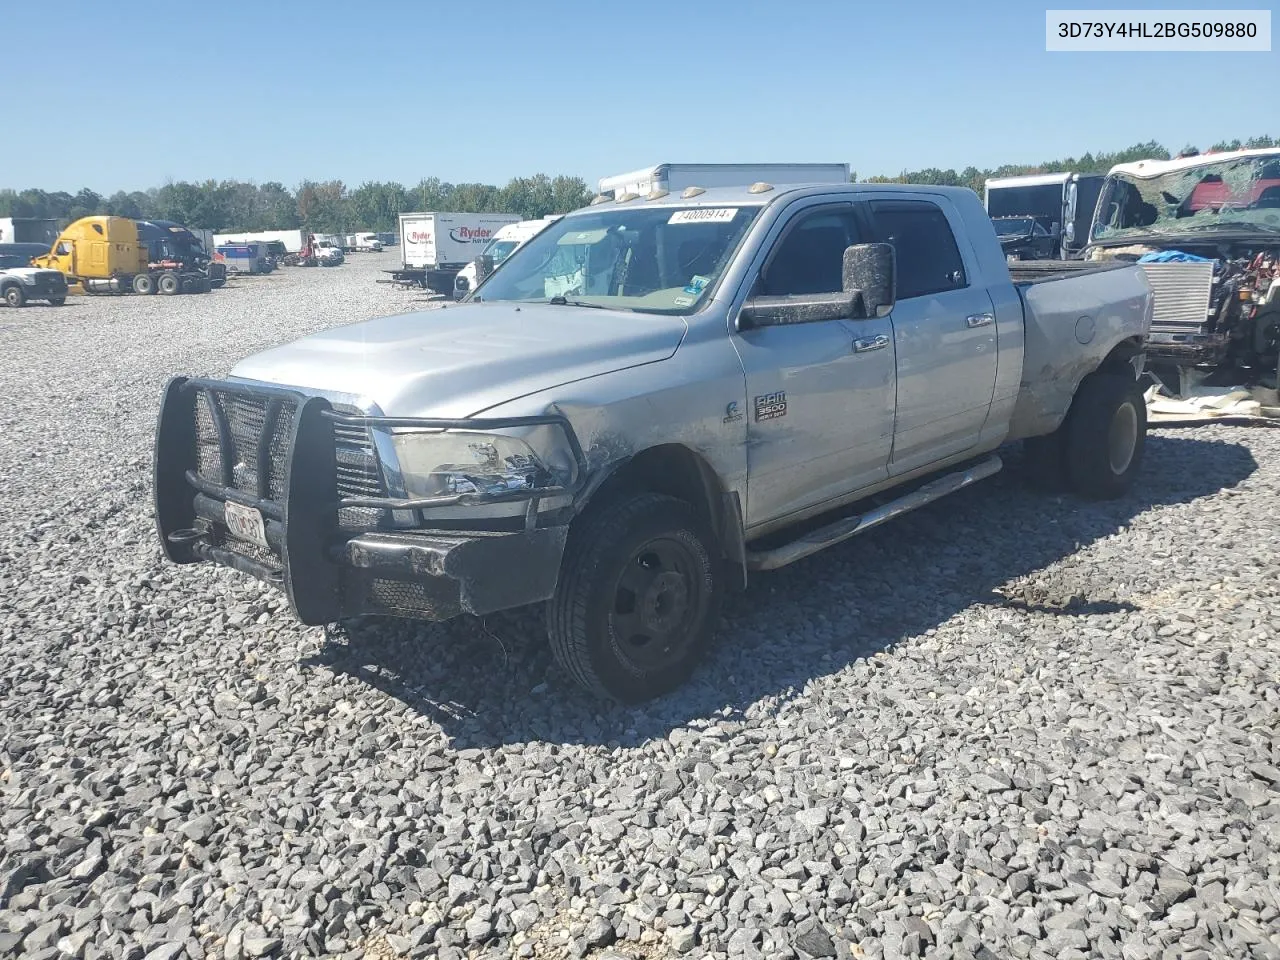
560 301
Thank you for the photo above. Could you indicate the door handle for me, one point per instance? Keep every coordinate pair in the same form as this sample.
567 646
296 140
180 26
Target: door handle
979 319
867 344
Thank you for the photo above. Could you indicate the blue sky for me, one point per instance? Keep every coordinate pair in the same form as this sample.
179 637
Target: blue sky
486 91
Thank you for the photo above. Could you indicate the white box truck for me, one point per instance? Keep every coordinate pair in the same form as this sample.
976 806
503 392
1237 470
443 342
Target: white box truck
674 177
504 243
434 247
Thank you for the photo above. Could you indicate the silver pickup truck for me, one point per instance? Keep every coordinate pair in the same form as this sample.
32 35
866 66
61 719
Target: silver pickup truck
650 400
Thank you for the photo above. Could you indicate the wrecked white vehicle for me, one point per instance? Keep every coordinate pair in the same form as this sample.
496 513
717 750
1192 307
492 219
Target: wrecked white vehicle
652 398
1206 229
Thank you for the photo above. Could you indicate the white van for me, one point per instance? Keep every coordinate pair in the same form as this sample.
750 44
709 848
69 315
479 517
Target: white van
505 242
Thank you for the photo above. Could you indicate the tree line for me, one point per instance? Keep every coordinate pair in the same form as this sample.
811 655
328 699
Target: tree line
974 178
329 206
322 206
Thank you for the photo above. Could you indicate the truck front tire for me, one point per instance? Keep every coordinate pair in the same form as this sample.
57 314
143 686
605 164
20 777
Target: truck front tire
1105 436
14 296
638 598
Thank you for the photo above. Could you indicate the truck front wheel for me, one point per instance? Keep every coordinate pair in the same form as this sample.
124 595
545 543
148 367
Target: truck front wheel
14 296
638 598
1105 435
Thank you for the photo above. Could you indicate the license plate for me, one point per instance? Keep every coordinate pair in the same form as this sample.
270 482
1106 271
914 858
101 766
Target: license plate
245 523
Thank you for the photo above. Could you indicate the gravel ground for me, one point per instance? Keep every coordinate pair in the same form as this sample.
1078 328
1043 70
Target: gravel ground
1004 726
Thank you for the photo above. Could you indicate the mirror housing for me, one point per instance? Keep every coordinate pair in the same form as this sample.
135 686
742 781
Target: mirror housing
803 308
870 271
484 267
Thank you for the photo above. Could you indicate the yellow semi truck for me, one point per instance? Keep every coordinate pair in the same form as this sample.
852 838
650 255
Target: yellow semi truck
105 255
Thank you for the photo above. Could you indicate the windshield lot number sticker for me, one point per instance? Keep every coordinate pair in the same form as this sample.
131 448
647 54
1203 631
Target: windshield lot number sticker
771 406
704 215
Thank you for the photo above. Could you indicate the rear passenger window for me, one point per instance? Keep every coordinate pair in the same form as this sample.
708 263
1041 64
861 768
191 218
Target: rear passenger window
928 258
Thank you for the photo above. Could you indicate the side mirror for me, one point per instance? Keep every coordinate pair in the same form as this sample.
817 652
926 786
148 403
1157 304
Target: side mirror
870 273
484 267
802 308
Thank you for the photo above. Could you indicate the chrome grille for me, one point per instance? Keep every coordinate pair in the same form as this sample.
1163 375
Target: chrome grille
357 462
1182 295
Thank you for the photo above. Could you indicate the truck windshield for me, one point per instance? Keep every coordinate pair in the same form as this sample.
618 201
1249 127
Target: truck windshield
656 260
1042 200
500 249
1014 227
1240 194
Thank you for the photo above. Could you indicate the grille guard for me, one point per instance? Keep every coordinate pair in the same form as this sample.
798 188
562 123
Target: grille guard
311 541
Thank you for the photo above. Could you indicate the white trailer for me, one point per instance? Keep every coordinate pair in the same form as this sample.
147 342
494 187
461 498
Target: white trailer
674 177
364 242
293 240
28 230
435 246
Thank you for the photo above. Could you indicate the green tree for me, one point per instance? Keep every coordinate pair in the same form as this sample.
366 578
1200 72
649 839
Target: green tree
568 193
322 207
277 208
377 206
476 198
432 193
180 202
122 204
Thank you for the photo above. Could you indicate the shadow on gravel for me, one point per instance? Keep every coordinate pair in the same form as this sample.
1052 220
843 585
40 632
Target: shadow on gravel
493 683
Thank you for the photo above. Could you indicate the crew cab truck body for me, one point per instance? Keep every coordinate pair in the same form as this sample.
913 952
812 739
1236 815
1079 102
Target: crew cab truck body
647 402
20 283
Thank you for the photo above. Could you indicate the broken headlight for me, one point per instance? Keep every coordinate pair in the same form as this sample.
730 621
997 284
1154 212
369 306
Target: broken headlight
440 463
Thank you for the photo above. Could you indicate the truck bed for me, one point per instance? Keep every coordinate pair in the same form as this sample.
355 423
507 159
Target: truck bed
1073 316
1026 272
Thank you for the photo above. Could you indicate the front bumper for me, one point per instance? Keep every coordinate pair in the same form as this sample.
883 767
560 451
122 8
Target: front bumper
1188 348
329 568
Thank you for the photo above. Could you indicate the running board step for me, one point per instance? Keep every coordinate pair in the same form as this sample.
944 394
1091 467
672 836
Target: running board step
848 527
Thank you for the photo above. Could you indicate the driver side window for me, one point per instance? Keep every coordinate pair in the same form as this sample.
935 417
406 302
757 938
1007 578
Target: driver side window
63 248
810 256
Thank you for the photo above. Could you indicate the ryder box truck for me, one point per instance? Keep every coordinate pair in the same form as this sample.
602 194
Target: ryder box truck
434 247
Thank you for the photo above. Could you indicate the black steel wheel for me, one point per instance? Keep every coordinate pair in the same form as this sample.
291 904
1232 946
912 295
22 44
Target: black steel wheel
638 598
1105 436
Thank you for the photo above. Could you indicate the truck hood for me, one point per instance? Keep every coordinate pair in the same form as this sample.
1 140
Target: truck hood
458 361
30 273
